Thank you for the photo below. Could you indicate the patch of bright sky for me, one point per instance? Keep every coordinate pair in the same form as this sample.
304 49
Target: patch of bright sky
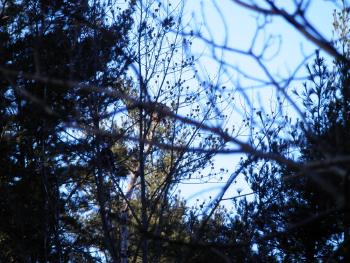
228 24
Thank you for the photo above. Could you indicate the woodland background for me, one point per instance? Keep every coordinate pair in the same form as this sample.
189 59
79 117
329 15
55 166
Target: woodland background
104 111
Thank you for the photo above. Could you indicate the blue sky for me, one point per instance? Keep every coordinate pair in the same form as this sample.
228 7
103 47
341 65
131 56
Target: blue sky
228 22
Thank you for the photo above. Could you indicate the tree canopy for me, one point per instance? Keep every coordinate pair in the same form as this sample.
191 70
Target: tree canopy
106 110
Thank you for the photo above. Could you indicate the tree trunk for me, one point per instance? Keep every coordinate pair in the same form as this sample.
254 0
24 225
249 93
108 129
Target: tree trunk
124 231
346 218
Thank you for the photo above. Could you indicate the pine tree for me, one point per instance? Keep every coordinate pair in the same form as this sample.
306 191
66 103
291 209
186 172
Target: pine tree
42 168
302 214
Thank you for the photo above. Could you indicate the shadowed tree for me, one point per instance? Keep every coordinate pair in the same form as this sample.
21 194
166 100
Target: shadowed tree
42 169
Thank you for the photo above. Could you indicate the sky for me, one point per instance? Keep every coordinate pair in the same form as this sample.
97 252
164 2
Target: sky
228 24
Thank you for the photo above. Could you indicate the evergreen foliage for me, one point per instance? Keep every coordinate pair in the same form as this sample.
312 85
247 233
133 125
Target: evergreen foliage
101 117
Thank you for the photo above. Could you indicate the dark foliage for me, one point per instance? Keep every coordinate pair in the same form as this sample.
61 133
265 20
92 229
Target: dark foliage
70 40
